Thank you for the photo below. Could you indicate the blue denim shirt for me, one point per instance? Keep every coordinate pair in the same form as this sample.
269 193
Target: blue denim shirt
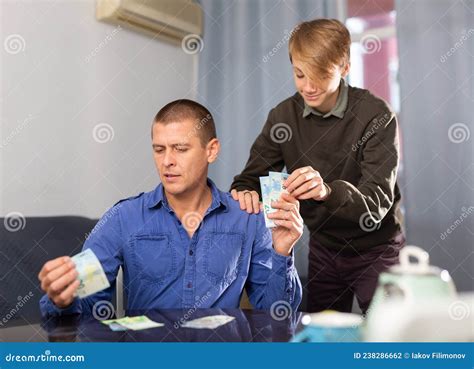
164 268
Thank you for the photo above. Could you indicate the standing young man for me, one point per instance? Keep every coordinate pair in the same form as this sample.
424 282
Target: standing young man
340 144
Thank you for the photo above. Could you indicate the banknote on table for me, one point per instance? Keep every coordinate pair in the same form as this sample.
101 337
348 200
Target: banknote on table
208 322
272 188
134 323
90 273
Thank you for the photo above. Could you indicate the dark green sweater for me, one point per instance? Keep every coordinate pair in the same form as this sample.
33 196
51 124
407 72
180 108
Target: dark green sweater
357 156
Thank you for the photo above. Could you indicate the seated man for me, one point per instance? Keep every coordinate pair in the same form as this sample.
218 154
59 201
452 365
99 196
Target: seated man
185 241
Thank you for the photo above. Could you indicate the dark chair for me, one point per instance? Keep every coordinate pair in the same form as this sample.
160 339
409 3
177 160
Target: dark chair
22 254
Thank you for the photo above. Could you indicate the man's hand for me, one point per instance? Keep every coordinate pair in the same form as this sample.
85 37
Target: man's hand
248 200
306 183
289 224
58 280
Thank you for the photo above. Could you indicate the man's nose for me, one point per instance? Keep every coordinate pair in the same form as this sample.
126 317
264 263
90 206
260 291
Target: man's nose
169 159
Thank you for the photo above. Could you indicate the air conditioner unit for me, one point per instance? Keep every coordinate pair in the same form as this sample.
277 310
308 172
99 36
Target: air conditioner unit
169 20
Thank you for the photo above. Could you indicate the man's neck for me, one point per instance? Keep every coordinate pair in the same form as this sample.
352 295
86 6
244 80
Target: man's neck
196 201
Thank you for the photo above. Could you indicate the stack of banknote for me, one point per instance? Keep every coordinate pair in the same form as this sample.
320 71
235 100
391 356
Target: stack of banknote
90 273
272 188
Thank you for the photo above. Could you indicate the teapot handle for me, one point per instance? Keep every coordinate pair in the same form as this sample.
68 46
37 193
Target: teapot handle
416 252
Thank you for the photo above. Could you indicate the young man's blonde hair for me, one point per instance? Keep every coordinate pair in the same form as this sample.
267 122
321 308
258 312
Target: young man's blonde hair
321 44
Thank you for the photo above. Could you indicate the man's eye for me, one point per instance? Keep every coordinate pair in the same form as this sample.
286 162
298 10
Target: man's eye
299 76
180 149
158 151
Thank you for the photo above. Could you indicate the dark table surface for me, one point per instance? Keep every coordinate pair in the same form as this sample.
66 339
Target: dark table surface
248 326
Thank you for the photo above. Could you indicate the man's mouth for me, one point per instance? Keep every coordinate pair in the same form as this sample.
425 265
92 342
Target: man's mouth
170 176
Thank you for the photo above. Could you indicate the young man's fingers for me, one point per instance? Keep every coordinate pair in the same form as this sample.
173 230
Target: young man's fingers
248 202
295 175
49 266
255 201
307 186
312 194
241 200
234 194
300 180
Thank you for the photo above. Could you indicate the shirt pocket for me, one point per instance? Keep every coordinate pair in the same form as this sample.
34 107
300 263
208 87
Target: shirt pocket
153 257
223 256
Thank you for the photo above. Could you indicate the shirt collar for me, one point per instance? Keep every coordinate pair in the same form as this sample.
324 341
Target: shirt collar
338 110
157 197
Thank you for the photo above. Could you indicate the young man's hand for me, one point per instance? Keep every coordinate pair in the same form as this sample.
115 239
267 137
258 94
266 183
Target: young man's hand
306 183
248 200
58 279
289 224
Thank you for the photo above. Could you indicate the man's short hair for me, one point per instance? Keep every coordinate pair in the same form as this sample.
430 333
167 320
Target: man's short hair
321 44
183 109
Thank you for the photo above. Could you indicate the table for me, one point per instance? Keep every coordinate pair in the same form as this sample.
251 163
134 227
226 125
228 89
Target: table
248 326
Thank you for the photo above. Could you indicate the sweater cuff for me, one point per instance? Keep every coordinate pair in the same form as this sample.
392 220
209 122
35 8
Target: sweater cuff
337 196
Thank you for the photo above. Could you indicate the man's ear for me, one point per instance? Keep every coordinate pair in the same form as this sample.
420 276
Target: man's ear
346 70
213 147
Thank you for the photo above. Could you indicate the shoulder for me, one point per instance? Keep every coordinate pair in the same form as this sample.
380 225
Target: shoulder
369 107
290 107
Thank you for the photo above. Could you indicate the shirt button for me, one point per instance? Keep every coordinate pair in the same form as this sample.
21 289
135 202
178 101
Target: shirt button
191 252
190 285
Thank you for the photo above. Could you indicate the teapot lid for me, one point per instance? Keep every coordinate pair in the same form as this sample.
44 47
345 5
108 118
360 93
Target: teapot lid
420 267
